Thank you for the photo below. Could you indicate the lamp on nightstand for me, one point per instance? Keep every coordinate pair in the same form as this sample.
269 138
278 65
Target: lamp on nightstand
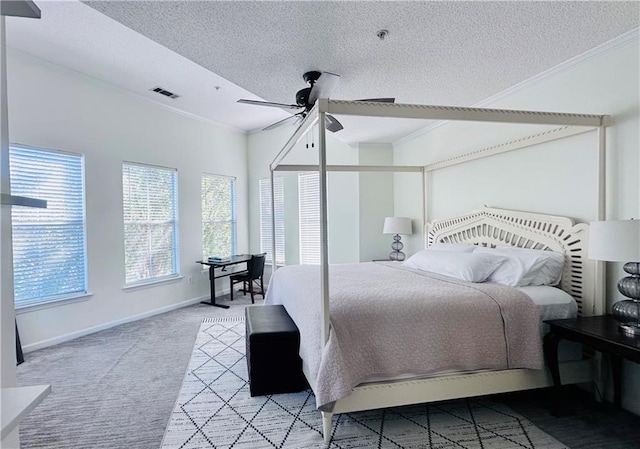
397 226
619 241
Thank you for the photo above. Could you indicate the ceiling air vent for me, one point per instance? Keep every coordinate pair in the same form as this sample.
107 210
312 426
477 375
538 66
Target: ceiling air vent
165 92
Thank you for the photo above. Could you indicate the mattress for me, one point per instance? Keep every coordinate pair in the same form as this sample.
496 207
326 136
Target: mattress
552 303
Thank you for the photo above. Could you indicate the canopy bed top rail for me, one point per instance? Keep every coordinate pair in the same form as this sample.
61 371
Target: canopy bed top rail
523 142
500 227
352 168
435 112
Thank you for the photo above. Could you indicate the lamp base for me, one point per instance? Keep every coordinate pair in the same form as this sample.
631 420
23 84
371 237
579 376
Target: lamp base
627 313
631 330
397 245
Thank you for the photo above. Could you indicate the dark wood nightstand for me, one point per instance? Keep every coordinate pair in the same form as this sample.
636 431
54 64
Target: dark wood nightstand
598 332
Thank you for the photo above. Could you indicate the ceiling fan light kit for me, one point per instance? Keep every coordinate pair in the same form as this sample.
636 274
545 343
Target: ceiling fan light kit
321 85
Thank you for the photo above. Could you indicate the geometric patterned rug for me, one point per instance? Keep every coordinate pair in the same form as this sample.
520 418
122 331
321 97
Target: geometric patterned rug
214 410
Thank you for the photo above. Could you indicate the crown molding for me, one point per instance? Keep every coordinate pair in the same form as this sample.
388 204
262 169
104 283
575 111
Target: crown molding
630 36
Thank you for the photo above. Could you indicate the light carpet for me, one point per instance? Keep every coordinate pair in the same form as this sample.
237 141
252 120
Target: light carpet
214 410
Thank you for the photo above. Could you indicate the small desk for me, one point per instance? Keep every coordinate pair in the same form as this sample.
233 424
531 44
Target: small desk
600 333
234 260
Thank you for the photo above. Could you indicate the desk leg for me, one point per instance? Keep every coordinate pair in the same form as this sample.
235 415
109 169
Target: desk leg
616 368
212 283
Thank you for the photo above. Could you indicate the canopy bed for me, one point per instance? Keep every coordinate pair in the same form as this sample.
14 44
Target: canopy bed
519 369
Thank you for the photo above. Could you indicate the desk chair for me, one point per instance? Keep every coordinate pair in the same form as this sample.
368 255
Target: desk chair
254 273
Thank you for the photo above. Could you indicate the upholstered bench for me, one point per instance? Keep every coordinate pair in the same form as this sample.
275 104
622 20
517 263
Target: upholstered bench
273 343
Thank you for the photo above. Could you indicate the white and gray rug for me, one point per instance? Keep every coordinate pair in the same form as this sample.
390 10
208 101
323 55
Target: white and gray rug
214 410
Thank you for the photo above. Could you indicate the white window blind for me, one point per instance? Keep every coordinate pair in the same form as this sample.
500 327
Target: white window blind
309 213
265 218
218 215
49 245
150 201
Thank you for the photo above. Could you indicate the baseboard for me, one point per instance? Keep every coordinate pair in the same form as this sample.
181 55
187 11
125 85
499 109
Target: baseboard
90 330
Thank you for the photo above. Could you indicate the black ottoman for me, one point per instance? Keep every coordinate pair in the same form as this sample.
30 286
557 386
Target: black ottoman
273 342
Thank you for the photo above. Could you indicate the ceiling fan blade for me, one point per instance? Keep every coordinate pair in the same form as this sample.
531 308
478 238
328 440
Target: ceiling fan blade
269 103
279 123
379 100
323 87
332 124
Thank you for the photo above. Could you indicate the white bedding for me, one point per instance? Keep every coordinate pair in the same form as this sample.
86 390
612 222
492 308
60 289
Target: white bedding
552 302
419 320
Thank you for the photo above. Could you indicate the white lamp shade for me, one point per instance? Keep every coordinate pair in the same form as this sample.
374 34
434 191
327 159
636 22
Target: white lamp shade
615 241
397 225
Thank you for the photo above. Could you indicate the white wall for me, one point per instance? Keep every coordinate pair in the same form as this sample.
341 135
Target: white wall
555 178
343 192
55 108
358 201
375 202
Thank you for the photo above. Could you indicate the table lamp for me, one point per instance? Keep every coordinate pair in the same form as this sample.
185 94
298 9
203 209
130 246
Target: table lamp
619 241
397 226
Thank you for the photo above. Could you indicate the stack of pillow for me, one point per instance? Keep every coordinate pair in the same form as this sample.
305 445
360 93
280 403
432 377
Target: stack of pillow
507 265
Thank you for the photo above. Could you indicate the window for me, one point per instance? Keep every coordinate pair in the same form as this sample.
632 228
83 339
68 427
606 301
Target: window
150 222
309 212
49 245
265 218
218 215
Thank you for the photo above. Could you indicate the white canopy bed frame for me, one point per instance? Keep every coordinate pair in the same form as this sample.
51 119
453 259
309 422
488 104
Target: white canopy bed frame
583 278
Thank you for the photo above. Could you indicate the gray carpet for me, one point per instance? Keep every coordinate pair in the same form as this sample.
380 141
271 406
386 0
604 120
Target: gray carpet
117 388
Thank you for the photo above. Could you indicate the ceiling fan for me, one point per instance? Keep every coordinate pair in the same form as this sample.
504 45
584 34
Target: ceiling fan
321 86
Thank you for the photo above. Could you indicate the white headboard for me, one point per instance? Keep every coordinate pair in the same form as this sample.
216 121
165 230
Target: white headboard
500 227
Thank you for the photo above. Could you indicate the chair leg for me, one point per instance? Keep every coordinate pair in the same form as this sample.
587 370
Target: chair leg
251 291
231 290
261 287
244 288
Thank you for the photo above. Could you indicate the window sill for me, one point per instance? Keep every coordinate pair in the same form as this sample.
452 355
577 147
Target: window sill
40 305
153 283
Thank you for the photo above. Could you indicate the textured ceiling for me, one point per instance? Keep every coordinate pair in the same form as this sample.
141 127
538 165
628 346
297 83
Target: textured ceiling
450 53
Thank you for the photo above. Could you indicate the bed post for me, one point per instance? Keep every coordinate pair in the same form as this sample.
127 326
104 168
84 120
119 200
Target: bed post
324 247
273 227
600 305
326 426
425 205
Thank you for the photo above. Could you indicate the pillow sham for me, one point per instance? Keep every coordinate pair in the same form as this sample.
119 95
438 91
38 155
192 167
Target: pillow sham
518 270
454 247
471 267
551 272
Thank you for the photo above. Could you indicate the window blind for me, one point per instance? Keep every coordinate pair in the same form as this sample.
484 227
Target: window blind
49 245
309 215
150 222
218 215
265 218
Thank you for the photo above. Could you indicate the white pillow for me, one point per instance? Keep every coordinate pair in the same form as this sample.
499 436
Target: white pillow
472 267
455 247
551 272
519 269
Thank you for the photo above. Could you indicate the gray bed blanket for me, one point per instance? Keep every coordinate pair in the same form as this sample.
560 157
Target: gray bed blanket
389 321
